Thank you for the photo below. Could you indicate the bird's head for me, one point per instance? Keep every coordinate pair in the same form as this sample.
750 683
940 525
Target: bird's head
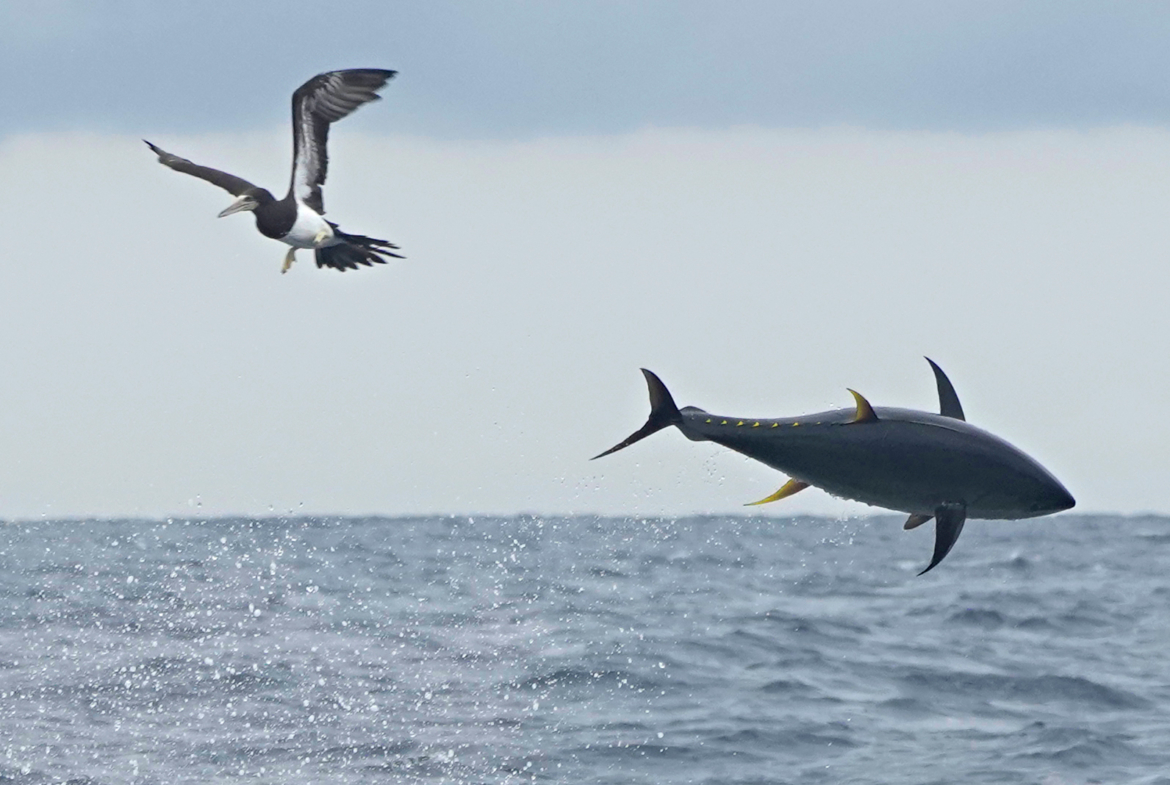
248 200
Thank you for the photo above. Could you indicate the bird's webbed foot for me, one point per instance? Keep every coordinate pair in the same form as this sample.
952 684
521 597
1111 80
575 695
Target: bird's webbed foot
289 258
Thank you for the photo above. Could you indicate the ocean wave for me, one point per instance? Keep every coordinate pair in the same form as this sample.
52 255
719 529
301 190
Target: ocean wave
1023 689
632 651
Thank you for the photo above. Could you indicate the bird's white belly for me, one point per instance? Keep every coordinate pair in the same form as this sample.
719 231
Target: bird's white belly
309 231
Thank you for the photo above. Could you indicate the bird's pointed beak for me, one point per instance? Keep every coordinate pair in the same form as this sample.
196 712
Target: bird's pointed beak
245 202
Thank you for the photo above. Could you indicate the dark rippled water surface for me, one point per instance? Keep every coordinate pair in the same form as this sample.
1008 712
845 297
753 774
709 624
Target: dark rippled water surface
584 650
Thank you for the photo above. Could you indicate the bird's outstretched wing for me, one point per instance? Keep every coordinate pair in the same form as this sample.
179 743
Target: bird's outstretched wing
325 99
228 182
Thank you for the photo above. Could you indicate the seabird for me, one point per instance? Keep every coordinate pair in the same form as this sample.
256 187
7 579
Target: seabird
297 219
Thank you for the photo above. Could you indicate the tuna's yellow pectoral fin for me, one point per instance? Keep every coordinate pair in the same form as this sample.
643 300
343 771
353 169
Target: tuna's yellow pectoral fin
865 412
790 487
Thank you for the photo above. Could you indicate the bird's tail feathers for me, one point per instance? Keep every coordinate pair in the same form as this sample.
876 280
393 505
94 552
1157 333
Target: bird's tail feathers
355 250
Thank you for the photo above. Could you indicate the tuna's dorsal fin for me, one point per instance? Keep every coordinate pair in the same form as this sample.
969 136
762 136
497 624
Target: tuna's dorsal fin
789 488
915 520
948 400
950 518
865 412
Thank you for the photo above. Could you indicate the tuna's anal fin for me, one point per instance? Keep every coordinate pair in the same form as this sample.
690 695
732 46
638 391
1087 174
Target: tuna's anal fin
916 520
789 488
663 414
865 412
948 399
950 518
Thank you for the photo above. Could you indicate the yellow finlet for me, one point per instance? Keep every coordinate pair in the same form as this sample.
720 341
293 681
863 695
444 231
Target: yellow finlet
755 425
865 412
789 488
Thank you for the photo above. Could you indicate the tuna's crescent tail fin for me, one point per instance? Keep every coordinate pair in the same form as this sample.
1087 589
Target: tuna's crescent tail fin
663 414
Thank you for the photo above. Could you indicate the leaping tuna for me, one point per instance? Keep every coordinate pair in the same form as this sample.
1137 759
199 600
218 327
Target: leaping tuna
927 465
297 219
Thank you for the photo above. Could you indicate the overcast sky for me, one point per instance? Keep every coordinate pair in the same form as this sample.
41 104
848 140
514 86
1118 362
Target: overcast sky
762 202
518 69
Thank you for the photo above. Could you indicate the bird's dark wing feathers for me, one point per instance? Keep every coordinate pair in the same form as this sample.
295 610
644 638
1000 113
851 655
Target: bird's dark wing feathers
325 99
228 182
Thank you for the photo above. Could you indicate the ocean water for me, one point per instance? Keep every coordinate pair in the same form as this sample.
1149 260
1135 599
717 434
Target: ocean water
584 650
